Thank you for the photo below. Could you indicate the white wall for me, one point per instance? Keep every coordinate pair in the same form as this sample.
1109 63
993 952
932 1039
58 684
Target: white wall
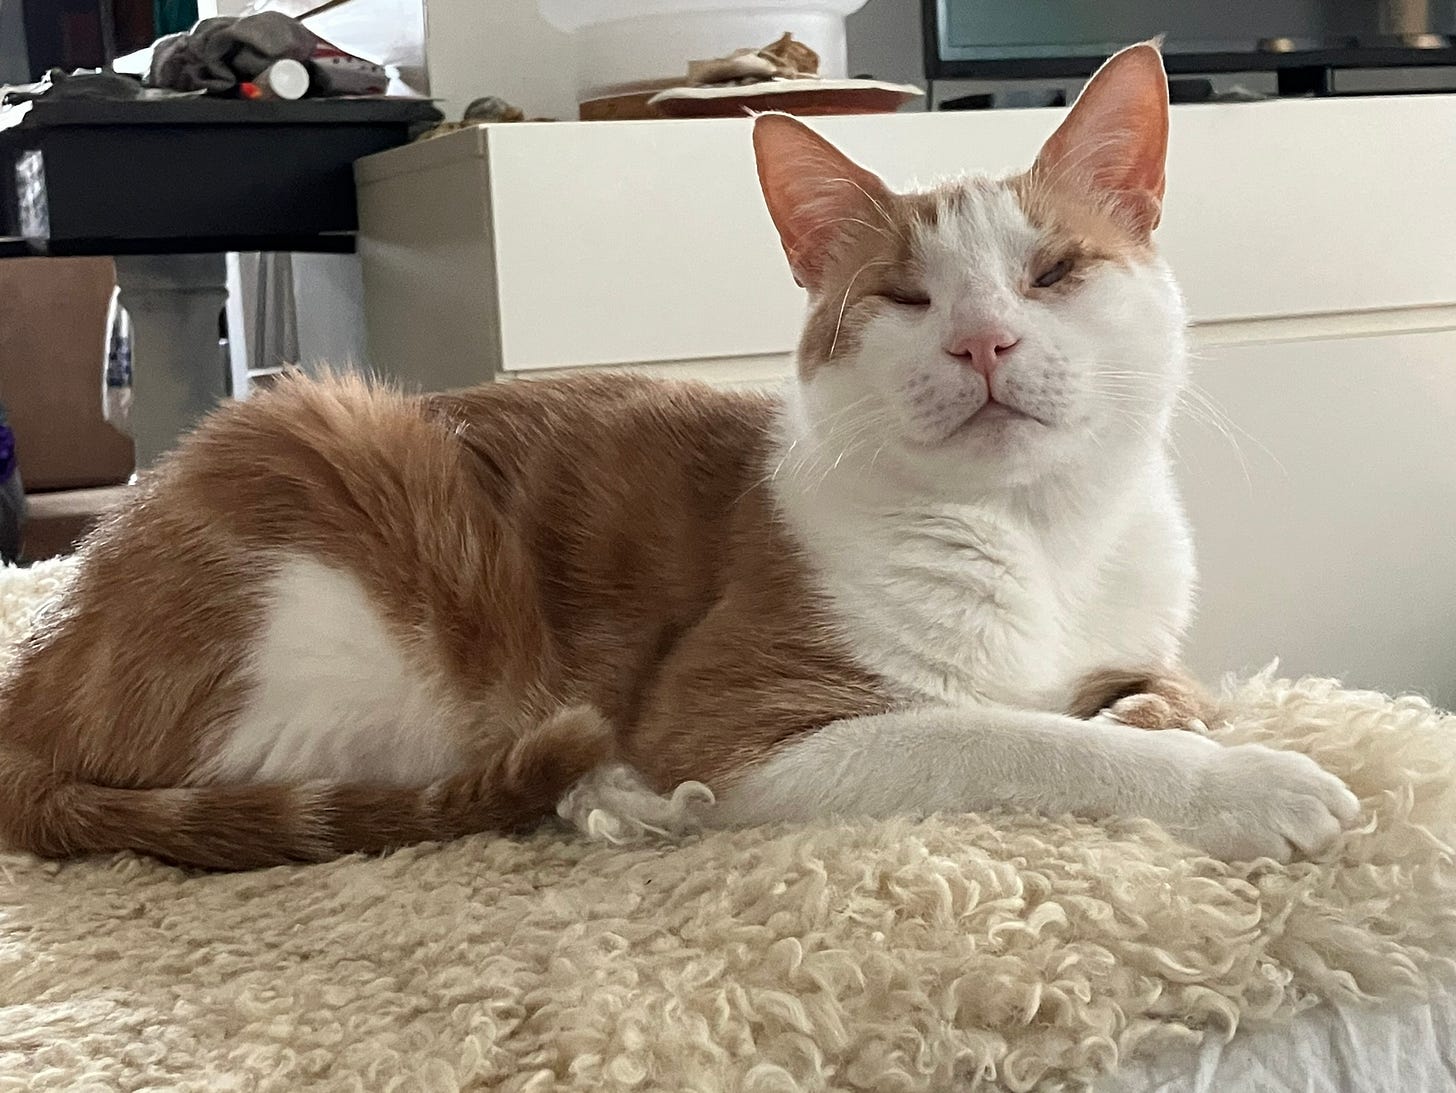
498 47
328 293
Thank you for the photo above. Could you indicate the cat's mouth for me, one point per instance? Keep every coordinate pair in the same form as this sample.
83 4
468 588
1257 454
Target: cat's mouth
992 414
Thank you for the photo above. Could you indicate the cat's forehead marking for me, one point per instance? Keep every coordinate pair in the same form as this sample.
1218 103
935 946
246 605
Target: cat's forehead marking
980 224
1068 218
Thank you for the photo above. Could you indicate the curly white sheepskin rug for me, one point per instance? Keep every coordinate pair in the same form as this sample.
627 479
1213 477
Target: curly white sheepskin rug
961 952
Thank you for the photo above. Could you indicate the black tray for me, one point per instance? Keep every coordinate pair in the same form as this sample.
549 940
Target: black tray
190 175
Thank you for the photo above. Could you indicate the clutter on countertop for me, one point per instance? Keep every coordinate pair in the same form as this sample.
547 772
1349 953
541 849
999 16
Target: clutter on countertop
785 59
98 84
490 110
220 54
621 46
267 55
783 75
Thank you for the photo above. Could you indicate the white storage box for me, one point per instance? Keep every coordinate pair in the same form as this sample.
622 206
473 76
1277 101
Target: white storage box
576 244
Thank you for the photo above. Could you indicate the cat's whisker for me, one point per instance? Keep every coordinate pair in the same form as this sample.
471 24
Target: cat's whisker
1202 416
1230 426
875 202
827 224
863 429
826 435
1140 423
844 302
878 452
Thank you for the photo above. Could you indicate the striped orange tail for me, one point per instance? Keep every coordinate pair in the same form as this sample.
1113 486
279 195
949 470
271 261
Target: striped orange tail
252 826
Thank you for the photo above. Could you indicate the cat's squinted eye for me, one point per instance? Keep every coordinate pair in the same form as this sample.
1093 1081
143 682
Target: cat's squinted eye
1053 273
907 298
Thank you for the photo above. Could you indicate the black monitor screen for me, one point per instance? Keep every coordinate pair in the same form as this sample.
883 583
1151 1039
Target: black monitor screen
1045 37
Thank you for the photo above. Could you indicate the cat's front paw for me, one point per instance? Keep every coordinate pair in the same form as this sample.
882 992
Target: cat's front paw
1255 802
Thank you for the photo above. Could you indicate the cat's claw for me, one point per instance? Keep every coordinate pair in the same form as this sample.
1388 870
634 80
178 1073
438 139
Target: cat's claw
1255 802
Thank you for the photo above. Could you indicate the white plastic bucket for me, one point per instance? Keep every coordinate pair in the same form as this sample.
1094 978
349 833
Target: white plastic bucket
622 43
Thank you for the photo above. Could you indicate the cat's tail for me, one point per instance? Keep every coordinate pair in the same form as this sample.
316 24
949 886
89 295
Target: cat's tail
244 826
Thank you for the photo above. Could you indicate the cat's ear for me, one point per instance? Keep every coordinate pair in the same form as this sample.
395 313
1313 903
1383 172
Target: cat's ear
814 192
1114 143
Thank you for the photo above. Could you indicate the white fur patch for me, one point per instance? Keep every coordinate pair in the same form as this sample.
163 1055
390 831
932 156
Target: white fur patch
997 560
335 696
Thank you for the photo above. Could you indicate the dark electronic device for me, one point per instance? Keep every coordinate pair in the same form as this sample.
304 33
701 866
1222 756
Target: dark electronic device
1303 41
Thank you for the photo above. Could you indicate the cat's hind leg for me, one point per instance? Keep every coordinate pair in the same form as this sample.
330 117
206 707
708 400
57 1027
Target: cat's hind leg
306 734
311 634
1155 698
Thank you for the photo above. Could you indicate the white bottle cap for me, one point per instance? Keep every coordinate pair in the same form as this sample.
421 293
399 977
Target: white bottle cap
284 79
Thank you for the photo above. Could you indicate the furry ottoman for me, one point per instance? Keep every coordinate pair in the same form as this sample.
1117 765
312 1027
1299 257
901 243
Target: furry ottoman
958 952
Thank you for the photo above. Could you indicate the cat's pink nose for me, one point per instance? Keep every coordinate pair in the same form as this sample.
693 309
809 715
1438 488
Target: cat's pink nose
984 349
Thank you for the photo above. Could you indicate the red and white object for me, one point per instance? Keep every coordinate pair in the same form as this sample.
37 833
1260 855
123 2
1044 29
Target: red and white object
337 72
283 79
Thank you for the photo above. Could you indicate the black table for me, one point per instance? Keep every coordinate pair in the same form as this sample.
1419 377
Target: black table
168 187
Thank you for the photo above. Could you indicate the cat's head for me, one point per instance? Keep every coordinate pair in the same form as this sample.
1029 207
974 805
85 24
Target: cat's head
989 331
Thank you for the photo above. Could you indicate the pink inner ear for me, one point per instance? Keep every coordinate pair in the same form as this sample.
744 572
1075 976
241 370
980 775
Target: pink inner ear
813 192
1115 140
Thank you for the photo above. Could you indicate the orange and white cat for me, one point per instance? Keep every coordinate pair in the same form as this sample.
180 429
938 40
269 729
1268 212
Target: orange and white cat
344 619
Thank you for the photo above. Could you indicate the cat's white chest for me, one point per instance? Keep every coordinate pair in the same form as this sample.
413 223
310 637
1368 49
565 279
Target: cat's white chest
954 609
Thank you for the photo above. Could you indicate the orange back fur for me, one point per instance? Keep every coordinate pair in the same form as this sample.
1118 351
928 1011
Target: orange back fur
590 567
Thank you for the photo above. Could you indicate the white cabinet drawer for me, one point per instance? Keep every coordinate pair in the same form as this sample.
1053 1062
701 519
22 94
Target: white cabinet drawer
640 242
